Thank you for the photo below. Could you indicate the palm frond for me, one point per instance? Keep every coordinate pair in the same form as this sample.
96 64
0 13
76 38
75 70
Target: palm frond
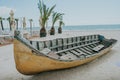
56 16
0 18
16 19
61 23
45 12
40 5
8 18
50 10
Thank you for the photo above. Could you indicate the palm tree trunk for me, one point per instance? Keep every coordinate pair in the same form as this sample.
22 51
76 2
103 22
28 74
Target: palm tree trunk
52 31
10 26
31 27
2 25
9 23
43 32
17 25
60 30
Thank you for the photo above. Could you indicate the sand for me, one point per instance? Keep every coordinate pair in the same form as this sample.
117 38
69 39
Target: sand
106 67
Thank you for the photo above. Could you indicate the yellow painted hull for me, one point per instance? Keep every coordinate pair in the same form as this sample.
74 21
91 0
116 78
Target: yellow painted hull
28 63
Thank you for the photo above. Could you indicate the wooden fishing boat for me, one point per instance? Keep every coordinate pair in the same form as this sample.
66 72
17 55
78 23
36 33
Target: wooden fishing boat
32 57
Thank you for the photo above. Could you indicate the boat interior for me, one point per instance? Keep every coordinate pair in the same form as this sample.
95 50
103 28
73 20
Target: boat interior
69 48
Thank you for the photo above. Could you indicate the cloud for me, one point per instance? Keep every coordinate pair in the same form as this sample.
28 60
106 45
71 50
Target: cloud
4 11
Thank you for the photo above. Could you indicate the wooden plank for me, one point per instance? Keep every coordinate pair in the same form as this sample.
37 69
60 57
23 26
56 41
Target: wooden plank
53 55
70 43
92 46
75 52
45 51
41 45
78 38
54 42
74 41
34 44
48 43
38 46
90 50
80 52
68 56
98 48
84 51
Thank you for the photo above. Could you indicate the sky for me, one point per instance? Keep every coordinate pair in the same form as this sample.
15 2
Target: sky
77 12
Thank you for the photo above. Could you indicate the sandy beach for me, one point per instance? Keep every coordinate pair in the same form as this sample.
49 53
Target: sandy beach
106 67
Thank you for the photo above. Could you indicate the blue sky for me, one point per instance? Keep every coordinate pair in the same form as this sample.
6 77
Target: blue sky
77 12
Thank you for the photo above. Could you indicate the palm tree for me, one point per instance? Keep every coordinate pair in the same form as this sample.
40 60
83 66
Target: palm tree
31 20
1 22
9 23
61 23
55 17
45 12
16 23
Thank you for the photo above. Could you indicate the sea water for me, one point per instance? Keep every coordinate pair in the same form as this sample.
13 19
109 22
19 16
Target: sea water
92 27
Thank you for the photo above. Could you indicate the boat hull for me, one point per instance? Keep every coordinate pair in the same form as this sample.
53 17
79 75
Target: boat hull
29 63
